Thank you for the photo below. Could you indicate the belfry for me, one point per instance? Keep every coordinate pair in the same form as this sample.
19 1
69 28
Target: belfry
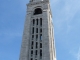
38 36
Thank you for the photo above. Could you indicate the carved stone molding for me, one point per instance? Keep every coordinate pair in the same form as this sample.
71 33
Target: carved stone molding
35 3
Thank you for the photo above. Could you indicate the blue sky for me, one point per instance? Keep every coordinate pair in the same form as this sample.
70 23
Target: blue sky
66 19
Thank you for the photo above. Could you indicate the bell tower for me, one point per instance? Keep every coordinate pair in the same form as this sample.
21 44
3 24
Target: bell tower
38 36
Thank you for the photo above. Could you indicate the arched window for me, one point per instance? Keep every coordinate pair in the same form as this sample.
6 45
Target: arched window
37 11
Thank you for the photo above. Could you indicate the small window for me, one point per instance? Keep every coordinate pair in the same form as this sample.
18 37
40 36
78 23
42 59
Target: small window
37 11
40 45
40 21
31 53
36 53
40 54
37 21
33 22
32 45
36 37
41 30
36 30
33 30
32 37
36 45
40 37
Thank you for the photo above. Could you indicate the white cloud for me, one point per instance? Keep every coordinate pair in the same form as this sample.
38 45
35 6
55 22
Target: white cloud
66 13
78 54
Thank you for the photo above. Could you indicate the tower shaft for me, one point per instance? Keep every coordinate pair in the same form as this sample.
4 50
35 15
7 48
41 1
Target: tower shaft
38 35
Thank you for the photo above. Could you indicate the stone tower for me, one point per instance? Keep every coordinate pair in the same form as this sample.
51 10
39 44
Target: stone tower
38 37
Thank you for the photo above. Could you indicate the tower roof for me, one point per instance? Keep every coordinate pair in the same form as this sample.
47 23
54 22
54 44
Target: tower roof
36 0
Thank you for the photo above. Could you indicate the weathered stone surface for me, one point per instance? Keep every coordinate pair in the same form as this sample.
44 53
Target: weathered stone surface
48 47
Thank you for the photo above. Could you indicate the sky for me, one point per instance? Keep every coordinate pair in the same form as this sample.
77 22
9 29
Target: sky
66 20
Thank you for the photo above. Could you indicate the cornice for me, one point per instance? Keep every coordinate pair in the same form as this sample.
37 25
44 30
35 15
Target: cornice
35 3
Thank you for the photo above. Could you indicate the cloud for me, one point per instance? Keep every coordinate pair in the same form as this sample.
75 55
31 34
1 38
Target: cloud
75 53
64 12
78 54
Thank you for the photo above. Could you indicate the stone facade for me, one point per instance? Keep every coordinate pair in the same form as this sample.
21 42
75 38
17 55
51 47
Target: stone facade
47 34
